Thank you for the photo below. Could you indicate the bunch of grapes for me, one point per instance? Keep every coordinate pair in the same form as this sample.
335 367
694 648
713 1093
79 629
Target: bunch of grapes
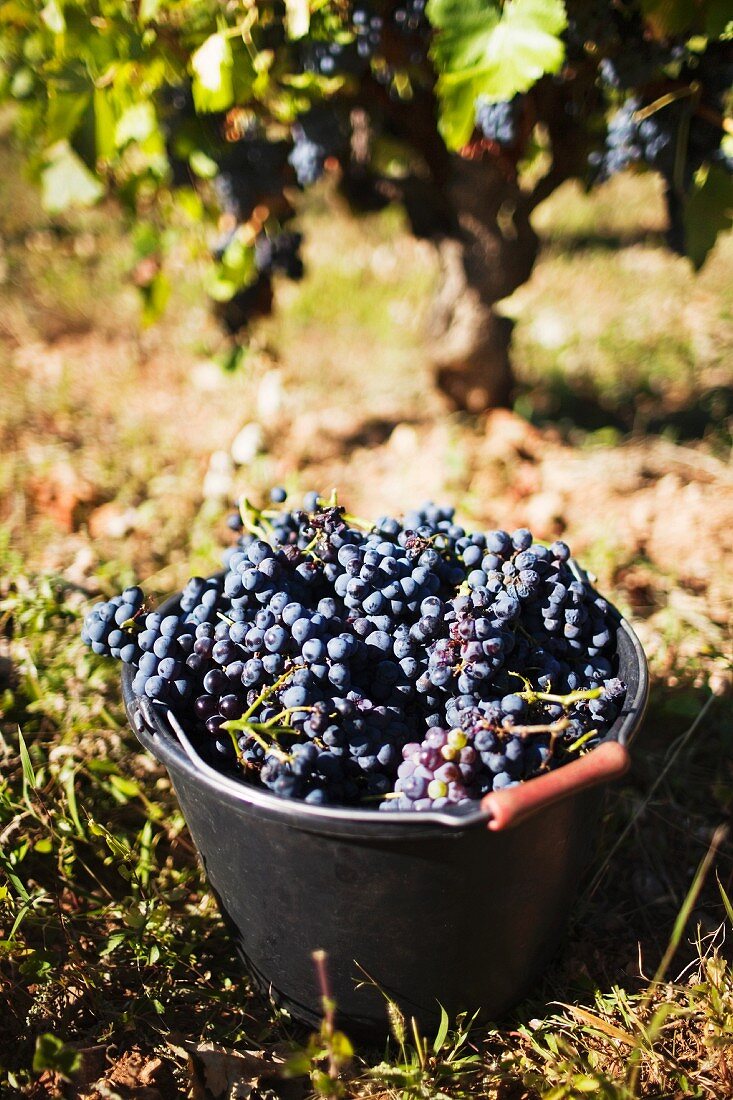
279 253
499 122
317 135
408 664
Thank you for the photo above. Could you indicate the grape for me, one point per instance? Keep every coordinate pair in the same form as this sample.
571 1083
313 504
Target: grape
498 122
397 666
279 254
331 58
317 135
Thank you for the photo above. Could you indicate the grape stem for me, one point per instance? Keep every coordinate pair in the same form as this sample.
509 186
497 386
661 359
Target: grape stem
284 714
582 740
665 100
550 727
356 521
131 625
235 725
565 701
255 520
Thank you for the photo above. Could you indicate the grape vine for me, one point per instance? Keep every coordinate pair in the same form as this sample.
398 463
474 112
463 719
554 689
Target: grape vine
228 113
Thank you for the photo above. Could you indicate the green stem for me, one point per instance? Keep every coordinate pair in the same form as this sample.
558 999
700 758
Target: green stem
252 730
284 714
564 700
243 723
255 520
268 691
356 521
582 740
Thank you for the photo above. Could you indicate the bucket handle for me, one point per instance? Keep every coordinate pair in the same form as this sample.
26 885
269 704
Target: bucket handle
509 807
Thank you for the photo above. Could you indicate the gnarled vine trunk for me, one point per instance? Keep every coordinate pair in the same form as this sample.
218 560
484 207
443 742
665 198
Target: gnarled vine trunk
491 252
478 217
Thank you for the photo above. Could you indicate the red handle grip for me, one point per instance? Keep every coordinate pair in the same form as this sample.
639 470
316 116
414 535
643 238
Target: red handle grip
508 807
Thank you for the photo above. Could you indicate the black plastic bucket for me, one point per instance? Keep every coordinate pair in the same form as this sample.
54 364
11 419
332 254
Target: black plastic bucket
456 909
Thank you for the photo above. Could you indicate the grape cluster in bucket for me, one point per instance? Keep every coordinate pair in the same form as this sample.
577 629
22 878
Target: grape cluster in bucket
402 665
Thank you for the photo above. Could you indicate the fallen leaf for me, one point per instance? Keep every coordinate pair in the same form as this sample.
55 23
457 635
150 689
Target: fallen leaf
221 1074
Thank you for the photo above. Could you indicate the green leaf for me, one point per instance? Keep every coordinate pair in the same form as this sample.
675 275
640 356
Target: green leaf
235 271
482 50
22 83
29 774
441 1032
66 180
127 787
53 16
211 65
65 112
36 966
148 10
105 122
726 902
68 785
147 242
189 201
202 165
113 943
298 1064
136 123
341 1048
297 18
51 1053
155 297
708 212
322 1083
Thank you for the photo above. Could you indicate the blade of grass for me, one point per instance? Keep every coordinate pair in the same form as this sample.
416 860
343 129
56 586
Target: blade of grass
29 775
604 1026
728 904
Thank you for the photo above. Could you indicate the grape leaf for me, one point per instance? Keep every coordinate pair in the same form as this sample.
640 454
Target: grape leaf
136 123
148 10
65 112
235 270
155 297
66 180
708 212
482 50
104 123
297 18
53 16
212 74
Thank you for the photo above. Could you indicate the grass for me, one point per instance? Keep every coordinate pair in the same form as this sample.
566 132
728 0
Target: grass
115 968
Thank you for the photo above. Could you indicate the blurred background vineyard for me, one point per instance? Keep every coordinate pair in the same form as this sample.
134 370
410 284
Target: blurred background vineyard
123 449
